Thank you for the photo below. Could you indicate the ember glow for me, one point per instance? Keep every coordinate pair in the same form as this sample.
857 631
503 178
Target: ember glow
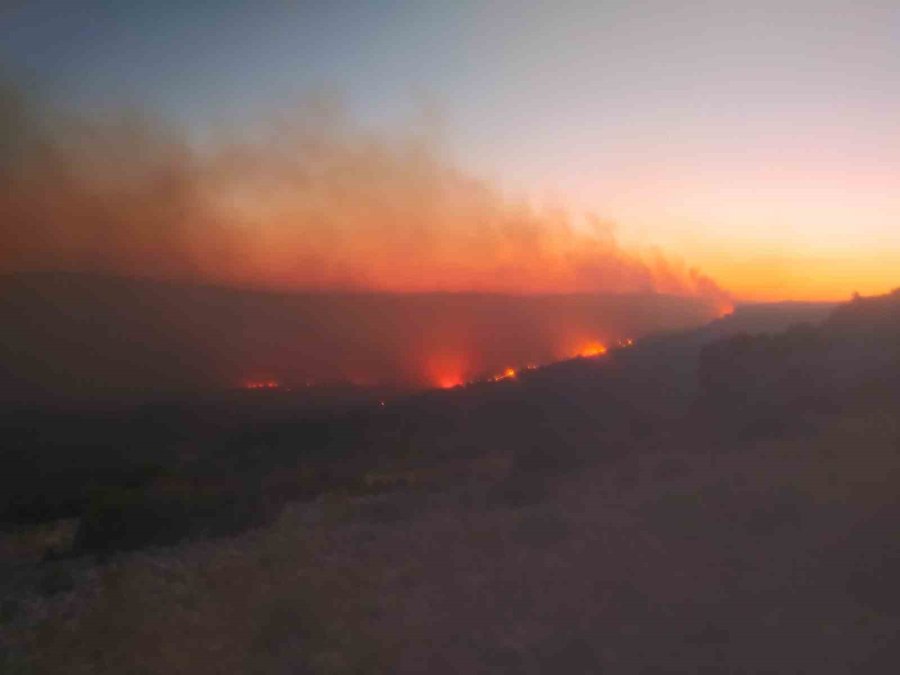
508 374
445 370
261 384
330 254
175 337
592 349
449 382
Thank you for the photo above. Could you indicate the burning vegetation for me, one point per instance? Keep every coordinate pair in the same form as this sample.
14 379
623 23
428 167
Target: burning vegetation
592 349
88 336
261 384
133 261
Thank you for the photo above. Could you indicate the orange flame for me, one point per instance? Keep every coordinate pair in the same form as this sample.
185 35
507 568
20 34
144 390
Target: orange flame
445 370
592 349
261 384
449 382
508 374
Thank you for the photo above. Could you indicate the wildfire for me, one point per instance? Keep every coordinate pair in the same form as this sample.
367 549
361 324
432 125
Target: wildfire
449 371
262 384
592 349
446 369
508 374
449 381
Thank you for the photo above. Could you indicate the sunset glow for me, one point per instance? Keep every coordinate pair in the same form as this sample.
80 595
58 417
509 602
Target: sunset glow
708 174
678 171
467 336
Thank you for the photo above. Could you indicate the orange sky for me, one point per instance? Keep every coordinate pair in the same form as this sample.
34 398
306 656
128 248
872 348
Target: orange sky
755 142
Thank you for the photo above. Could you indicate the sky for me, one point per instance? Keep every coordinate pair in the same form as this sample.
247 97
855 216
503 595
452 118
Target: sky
756 141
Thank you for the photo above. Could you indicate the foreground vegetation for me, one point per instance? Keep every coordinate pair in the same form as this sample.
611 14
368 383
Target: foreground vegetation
577 522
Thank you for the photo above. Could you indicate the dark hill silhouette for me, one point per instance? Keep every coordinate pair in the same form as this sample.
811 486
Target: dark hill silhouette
554 417
711 500
81 336
782 378
659 373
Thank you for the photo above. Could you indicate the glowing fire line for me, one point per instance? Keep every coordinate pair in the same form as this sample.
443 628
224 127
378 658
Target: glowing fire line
591 349
261 384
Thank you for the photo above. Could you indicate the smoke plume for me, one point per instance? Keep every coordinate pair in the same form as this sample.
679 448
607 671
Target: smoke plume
338 254
313 202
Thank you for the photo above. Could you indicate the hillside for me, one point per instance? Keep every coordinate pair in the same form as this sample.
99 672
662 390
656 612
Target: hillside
83 337
597 514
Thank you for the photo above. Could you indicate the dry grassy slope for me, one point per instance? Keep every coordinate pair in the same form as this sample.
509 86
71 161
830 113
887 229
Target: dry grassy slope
687 552
673 561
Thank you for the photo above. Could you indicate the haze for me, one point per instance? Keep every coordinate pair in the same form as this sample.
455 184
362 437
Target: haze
754 142
449 337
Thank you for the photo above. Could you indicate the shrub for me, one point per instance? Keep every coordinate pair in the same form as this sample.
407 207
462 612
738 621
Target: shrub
118 518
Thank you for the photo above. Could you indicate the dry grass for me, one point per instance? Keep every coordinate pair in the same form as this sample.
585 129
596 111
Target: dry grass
33 543
272 601
668 558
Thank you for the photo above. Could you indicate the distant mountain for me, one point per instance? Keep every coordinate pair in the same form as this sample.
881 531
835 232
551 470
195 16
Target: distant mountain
660 372
837 363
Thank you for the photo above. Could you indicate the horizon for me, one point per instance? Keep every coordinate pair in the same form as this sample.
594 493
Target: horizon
636 146
403 336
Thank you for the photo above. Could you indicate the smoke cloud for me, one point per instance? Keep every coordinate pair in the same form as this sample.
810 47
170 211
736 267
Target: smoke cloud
309 251
312 202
